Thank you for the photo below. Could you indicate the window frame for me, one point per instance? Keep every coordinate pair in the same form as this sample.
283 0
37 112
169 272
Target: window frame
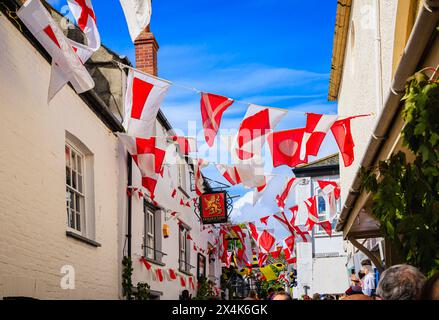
151 221
76 192
184 256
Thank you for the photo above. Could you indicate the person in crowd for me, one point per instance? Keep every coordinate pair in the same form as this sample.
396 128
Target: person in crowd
306 297
430 291
280 290
369 278
282 296
185 295
316 296
355 287
401 282
252 295
329 297
270 293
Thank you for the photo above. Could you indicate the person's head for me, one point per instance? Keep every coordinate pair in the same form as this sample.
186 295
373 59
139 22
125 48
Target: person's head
316 296
401 282
252 294
282 296
280 290
185 295
329 297
270 291
366 266
430 291
306 297
361 274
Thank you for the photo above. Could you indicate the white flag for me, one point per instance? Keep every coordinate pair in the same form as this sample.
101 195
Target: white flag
137 14
66 65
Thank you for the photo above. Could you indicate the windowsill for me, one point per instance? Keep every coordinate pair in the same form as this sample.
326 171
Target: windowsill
185 272
83 239
155 262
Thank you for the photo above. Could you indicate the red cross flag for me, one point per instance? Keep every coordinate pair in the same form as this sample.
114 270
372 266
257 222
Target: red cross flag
266 241
144 95
257 123
212 109
66 65
85 16
289 185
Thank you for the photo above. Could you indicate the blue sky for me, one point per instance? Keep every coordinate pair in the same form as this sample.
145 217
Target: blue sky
273 53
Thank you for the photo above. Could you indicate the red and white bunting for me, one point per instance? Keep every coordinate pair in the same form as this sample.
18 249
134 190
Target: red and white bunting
244 237
183 281
264 220
317 126
289 249
253 231
172 275
147 156
137 14
212 108
257 123
290 184
341 129
199 180
285 147
66 65
313 217
186 144
144 95
331 192
275 254
266 241
223 245
230 173
85 16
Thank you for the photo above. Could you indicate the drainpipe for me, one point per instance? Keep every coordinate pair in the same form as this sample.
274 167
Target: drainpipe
378 62
425 25
129 216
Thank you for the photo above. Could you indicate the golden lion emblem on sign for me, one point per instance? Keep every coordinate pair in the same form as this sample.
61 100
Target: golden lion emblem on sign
213 205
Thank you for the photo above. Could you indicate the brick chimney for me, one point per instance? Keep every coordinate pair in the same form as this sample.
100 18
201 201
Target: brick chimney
146 52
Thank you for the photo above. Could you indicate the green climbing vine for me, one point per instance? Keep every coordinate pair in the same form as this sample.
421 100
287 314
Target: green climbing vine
143 288
405 188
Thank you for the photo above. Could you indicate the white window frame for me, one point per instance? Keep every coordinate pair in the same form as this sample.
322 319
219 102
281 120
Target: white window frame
75 192
183 250
150 236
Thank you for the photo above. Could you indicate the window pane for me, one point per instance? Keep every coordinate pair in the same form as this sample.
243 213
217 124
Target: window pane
78 221
74 160
72 202
79 164
74 184
68 176
72 219
78 204
67 156
79 183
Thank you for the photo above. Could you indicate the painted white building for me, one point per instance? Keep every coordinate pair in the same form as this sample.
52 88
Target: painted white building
63 185
321 263
378 45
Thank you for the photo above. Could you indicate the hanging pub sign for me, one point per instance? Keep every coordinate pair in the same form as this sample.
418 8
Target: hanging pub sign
213 207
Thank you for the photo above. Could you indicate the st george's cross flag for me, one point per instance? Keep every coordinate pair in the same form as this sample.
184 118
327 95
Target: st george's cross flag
186 145
199 180
66 65
244 238
212 109
148 158
144 95
230 173
289 249
137 14
241 173
285 147
317 126
290 184
331 193
341 129
85 16
313 218
257 123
